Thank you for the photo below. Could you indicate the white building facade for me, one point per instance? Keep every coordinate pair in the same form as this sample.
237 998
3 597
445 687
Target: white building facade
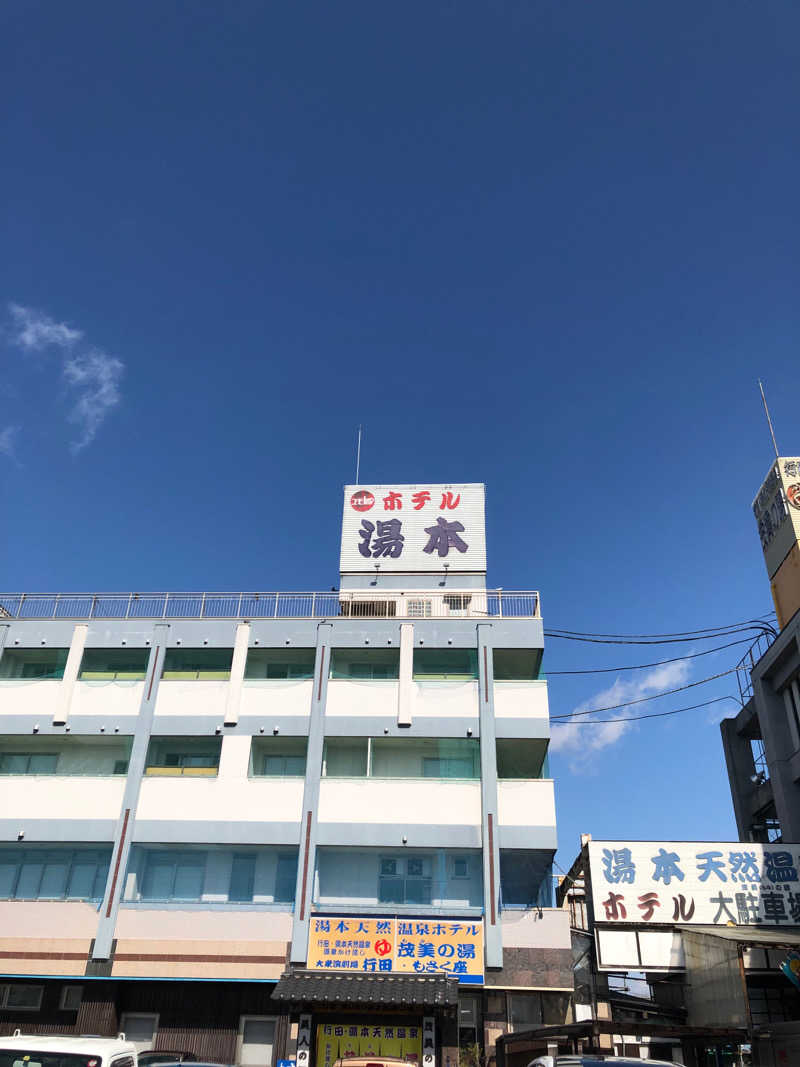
216 810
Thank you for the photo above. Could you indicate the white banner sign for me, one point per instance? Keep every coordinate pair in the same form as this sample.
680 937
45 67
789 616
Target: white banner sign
777 511
409 528
697 882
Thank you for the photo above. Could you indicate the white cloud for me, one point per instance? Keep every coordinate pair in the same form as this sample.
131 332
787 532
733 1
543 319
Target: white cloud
32 330
580 739
7 437
96 376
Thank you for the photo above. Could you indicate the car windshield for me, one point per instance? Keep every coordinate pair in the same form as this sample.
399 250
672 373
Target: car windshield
21 1057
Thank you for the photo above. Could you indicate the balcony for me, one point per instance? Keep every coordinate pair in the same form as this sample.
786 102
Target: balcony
419 604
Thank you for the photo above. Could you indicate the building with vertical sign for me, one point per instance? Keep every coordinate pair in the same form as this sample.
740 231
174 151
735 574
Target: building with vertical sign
286 826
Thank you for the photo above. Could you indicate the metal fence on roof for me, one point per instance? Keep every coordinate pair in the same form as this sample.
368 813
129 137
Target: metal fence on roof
414 604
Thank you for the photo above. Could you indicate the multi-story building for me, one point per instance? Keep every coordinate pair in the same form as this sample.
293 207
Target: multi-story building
269 826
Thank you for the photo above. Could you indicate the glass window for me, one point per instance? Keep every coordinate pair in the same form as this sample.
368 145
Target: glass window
243 876
53 874
345 757
42 663
445 664
524 1009
279 757
285 878
190 756
64 755
368 663
522 757
114 664
425 757
405 880
516 664
526 878
174 875
197 664
277 663
21 997
28 762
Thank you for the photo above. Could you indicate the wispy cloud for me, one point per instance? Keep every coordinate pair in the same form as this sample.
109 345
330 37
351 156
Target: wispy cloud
92 376
96 376
580 740
7 441
34 331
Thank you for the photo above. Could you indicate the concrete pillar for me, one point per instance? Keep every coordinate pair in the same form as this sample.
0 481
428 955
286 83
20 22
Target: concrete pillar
308 825
404 689
493 945
739 760
130 798
238 664
71 669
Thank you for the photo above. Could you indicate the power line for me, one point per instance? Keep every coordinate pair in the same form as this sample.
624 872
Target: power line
747 623
649 715
660 641
657 663
642 700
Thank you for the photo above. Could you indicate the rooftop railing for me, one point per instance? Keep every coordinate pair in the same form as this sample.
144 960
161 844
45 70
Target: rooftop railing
416 604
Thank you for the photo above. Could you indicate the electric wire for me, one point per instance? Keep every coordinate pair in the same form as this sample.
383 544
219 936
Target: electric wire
642 700
656 663
565 721
747 623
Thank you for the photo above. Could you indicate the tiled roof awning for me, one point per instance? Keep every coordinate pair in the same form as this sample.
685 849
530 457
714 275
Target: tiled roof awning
387 990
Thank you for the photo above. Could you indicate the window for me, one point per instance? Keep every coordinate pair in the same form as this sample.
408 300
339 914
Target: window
255 1044
188 756
243 876
524 1010
96 756
280 663
516 664
278 757
445 664
19 997
30 663
139 1028
71 997
460 866
405 880
114 664
419 609
426 757
174 875
525 878
286 878
53 874
197 664
366 663
345 757
457 604
522 757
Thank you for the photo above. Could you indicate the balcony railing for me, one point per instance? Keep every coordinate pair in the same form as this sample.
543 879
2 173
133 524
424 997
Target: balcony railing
388 604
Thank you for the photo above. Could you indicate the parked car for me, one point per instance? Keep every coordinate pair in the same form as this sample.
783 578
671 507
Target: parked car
169 1055
597 1060
35 1050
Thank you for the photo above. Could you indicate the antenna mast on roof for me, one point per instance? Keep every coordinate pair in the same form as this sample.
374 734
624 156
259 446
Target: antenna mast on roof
766 411
358 451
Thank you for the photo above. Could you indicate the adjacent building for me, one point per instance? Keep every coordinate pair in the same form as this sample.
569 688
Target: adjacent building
263 826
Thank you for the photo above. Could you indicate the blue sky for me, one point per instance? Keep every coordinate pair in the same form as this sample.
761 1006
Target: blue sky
546 245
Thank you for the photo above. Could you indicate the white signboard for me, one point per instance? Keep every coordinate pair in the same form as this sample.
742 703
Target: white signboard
410 528
777 511
695 882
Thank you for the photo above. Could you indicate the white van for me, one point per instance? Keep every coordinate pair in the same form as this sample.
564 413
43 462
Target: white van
36 1050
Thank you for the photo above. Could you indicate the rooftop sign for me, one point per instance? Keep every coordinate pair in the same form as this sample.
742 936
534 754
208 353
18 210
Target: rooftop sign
412 528
777 511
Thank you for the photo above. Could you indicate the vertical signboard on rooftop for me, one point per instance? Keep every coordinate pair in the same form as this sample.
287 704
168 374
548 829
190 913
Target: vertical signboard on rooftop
411 528
777 513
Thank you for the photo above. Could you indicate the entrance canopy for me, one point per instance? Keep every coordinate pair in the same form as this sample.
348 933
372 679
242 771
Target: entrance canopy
376 990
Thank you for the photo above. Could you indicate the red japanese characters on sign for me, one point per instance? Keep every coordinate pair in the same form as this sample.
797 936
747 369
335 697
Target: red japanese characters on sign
362 500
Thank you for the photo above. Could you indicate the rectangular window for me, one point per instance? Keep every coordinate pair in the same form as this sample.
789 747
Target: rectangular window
522 757
187 756
365 663
460 866
174 875
33 663
256 1041
278 757
516 664
445 664
197 664
96 756
409 882
425 757
114 664
286 878
71 997
243 876
53 874
280 663
345 757
18 997
526 878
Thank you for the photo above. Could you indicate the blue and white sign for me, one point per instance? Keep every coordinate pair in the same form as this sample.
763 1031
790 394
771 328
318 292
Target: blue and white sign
720 883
